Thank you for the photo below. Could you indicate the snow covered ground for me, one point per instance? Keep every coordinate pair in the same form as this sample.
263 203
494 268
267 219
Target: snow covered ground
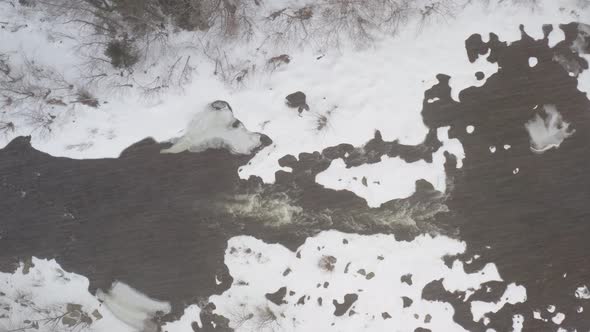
351 92
387 277
354 91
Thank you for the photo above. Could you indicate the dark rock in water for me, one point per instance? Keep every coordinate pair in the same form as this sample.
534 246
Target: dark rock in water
370 275
297 100
427 318
421 329
479 75
220 104
342 308
286 272
407 301
211 321
320 301
475 47
278 296
385 315
301 300
433 290
407 278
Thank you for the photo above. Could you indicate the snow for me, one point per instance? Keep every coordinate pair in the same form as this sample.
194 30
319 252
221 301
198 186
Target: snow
216 128
459 280
582 292
358 90
517 323
512 295
396 178
262 270
558 318
45 286
191 314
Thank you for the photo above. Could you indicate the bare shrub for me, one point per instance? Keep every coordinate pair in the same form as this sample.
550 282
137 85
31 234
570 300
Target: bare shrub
266 319
437 10
38 119
323 120
129 34
36 93
29 82
326 263
121 53
86 98
277 61
227 70
240 316
69 317
7 127
20 312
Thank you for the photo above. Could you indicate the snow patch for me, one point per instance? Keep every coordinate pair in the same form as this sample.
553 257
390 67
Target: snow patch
216 128
397 178
558 318
513 294
533 61
368 266
517 323
41 289
583 292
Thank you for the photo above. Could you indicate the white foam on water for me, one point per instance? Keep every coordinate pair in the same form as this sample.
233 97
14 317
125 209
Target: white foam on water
548 132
